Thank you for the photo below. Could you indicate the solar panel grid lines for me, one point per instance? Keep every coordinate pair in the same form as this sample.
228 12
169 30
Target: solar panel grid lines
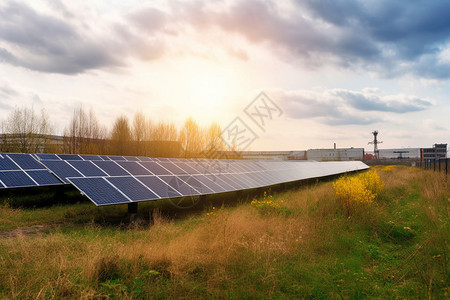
111 168
7 164
43 177
174 169
61 169
16 178
179 185
133 188
25 161
45 156
156 168
69 156
158 186
99 191
86 168
134 168
196 184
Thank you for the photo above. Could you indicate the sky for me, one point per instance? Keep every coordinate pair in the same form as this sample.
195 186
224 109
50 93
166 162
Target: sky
330 71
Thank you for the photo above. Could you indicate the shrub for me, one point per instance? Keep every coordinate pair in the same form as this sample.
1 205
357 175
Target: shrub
357 190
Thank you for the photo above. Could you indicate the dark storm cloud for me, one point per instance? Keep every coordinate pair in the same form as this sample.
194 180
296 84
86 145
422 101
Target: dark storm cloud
391 38
345 107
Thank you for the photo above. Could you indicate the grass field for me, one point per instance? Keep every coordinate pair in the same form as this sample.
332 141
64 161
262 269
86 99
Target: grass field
295 244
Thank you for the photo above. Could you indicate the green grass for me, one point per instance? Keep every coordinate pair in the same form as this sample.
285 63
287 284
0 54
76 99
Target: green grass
297 244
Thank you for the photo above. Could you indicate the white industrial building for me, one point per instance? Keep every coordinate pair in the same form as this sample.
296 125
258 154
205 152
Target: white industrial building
400 153
335 154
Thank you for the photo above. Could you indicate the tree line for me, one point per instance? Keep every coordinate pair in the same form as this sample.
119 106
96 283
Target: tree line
28 131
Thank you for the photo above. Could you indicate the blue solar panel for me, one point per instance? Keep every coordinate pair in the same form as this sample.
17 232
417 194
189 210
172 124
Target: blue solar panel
87 168
188 167
210 184
155 168
196 184
214 178
117 158
104 157
91 157
99 191
158 186
144 158
179 185
69 156
111 168
43 156
227 178
7 164
172 168
131 158
61 169
26 161
134 168
43 177
16 179
134 189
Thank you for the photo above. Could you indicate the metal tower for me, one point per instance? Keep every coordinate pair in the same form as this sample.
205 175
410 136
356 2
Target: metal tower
375 143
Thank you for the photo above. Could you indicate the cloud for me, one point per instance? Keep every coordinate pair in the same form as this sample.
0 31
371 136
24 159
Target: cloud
345 107
369 102
47 43
390 38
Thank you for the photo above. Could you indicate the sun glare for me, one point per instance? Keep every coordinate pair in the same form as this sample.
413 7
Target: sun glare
207 87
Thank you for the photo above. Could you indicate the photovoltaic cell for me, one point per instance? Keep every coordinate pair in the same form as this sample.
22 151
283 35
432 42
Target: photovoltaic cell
214 186
179 185
16 179
61 169
91 157
44 156
160 187
111 168
87 168
196 184
214 178
134 168
131 187
155 168
104 157
172 167
144 158
43 177
116 158
26 161
131 158
7 164
69 156
99 191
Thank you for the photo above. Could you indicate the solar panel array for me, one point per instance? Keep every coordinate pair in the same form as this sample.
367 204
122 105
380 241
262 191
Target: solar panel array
107 180
23 170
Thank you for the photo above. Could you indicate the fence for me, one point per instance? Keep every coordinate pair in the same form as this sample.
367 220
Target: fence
438 164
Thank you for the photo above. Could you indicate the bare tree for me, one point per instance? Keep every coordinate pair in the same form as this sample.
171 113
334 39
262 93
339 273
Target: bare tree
140 132
213 140
84 134
121 137
191 138
25 131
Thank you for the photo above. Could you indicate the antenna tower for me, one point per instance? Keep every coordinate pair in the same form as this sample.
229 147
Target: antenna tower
375 143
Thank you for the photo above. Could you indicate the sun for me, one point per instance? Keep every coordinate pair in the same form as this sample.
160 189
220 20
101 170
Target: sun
207 86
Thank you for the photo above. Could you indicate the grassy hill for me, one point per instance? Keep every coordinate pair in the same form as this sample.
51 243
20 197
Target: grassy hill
296 244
